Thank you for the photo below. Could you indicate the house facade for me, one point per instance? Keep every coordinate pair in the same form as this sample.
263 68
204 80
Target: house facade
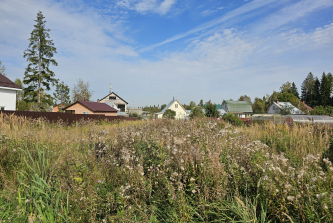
278 107
8 90
241 108
174 105
94 108
115 101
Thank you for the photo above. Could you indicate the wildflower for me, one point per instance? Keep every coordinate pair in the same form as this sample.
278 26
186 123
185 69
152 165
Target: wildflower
288 186
194 191
290 198
27 201
99 181
325 206
192 179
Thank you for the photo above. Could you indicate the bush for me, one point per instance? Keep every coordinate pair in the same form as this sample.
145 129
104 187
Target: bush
169 114
234 119
197 112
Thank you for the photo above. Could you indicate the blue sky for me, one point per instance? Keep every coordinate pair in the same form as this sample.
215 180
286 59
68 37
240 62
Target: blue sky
152 50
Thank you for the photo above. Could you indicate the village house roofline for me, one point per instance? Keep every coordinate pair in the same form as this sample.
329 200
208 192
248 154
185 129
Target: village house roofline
169 105
94 106
114 94
5 83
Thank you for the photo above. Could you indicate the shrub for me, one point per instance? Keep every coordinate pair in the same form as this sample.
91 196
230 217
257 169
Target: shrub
233 119
169 114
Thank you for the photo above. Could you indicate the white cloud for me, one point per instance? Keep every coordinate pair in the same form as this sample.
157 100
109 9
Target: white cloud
161 7
246 8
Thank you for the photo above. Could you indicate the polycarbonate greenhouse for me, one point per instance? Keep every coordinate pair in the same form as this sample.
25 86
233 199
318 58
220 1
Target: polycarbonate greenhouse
318 120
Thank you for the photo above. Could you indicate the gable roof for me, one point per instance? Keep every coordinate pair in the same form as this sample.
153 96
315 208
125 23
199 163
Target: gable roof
5 82
114 94
238 106
94 106
294 110
169 105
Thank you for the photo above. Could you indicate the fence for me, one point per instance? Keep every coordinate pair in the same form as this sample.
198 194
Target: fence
67 117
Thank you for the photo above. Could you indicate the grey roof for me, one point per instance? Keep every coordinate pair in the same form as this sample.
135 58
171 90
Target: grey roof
294 110
238 106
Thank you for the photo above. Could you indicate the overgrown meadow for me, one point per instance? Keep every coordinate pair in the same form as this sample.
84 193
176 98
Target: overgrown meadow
164 171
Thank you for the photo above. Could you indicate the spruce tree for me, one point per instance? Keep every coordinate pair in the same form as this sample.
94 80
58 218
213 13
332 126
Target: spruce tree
316 94
325 90
294 90
39 54
307 89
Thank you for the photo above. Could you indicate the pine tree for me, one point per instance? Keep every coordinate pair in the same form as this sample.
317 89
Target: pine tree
61 94
325 90
39 54
307 89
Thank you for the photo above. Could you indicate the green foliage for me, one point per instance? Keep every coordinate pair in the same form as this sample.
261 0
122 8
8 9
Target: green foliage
197 112
259 106
322 110
153 109
245 98
39 55
163 106
307 89
61 94
233 119
169 114
81 91
325 90
211 110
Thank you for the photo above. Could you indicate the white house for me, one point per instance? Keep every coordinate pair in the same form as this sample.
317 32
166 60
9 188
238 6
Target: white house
115 101
8 91
277 107
174 105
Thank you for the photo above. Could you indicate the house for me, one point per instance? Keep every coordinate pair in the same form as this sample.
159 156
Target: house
241 108
278 108
174 105
59 107
8 91
86 107
115 101
307 107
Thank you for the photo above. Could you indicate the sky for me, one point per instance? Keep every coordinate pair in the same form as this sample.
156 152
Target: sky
153 50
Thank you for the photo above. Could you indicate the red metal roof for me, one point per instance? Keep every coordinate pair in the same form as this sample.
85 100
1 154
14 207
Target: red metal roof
95 106
5 82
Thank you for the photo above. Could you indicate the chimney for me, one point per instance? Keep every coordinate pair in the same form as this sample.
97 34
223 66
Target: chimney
277 102
98 100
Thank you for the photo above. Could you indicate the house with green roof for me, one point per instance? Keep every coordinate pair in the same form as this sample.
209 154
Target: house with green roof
242 108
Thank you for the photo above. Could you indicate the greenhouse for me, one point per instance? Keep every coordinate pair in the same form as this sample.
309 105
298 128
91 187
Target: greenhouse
318 120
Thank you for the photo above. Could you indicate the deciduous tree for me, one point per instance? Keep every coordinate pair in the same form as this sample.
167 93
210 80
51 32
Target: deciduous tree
61 94
81 91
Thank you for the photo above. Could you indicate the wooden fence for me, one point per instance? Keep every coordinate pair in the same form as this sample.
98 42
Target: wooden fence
67 117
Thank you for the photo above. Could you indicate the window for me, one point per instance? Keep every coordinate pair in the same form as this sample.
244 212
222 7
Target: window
112 98
176 105
85 112
2 108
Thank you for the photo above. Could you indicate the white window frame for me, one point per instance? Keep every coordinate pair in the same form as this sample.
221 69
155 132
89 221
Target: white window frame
85 112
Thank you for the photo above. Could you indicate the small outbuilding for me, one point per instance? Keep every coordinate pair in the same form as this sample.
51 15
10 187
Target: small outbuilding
317 120
86 107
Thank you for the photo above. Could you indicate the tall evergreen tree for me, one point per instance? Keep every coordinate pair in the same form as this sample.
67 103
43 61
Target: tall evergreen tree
315 96
325 90
294 90
39 54
307 89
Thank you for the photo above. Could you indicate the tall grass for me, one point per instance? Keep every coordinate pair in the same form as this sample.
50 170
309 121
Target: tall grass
163 171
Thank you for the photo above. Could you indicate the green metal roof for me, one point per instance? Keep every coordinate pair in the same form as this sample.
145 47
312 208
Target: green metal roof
239 106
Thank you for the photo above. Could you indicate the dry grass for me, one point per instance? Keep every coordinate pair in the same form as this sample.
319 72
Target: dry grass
163 171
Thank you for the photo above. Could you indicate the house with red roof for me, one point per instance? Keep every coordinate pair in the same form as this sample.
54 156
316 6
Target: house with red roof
8 91
87 107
